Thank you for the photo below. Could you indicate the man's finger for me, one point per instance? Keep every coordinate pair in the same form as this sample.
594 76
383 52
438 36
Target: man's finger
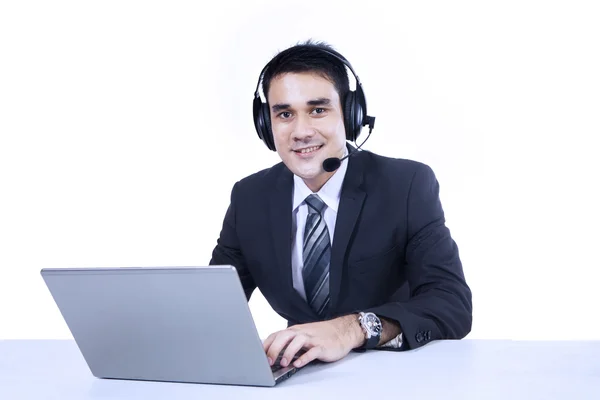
280 341
309 356
292 348
269 340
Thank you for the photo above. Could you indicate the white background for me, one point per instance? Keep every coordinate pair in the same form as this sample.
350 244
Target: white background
124 125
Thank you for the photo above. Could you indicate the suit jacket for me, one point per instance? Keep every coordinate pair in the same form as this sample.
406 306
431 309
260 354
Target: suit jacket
391 253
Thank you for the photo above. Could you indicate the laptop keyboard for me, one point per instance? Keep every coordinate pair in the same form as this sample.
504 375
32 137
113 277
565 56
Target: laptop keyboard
277 364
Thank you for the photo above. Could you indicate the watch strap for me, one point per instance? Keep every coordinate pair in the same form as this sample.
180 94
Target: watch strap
372 342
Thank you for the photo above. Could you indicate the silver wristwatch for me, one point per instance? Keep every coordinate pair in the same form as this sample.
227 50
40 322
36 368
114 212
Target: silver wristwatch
371 326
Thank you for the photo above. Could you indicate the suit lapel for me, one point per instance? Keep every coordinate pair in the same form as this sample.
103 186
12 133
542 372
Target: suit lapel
351 203
280 210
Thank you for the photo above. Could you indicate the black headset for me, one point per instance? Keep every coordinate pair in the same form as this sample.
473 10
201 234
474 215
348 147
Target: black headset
354 107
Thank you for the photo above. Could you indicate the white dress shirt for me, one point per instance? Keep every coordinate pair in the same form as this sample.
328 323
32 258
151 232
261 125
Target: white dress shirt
330 194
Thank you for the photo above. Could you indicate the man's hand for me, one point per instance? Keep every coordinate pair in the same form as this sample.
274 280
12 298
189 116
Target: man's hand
327 341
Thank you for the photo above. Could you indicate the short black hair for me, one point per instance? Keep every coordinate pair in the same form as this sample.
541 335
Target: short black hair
308 57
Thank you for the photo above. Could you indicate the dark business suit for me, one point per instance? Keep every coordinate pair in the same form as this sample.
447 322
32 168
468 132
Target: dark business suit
391 253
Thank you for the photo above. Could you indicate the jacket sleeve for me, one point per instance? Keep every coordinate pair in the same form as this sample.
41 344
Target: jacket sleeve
439 305
228 251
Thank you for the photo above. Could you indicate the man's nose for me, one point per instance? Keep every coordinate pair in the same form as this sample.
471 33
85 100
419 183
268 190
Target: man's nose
304 130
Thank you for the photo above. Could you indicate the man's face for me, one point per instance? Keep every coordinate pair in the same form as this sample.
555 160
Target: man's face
307 123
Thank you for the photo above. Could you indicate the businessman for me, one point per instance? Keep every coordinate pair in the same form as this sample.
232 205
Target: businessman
350 247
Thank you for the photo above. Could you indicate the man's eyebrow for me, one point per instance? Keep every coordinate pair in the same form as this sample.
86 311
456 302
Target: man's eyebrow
280 107
319 102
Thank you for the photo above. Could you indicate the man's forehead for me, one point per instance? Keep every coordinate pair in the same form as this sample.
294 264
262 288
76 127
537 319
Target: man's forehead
305 87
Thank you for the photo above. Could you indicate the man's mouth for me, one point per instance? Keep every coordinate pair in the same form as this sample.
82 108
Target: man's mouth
308 150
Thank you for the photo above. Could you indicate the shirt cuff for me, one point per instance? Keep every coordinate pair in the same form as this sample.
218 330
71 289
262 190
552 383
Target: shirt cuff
395 343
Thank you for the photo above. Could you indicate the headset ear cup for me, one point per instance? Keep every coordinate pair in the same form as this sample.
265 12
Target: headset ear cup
267 131
360 107
262 122
349 121
258 117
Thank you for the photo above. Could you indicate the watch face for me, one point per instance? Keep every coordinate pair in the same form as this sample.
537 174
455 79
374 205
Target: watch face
372 324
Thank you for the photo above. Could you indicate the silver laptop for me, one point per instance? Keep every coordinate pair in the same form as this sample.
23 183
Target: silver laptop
177 324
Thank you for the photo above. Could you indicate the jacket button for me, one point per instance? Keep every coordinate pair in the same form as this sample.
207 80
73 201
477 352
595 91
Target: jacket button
428 335
419 337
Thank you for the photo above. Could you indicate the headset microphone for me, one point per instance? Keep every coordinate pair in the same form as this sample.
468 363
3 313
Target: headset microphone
333 163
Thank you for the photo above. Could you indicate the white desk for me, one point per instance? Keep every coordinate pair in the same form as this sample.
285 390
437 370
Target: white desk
467 369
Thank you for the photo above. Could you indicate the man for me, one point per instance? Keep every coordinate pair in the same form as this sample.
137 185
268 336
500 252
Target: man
354 254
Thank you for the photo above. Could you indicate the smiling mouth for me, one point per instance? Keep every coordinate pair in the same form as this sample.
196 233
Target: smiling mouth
308 150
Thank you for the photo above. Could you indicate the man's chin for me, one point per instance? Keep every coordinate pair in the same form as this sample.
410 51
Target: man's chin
308 172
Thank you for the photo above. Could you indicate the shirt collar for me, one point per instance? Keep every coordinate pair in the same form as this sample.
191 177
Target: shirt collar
330 192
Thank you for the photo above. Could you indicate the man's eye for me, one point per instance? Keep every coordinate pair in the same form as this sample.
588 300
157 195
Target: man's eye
319 110
285 114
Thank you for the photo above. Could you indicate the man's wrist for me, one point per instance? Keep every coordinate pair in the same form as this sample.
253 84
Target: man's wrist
354 334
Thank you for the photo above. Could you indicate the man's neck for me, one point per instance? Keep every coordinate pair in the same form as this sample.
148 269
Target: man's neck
318 182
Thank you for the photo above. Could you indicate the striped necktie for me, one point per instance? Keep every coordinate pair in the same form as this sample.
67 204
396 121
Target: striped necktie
316 254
